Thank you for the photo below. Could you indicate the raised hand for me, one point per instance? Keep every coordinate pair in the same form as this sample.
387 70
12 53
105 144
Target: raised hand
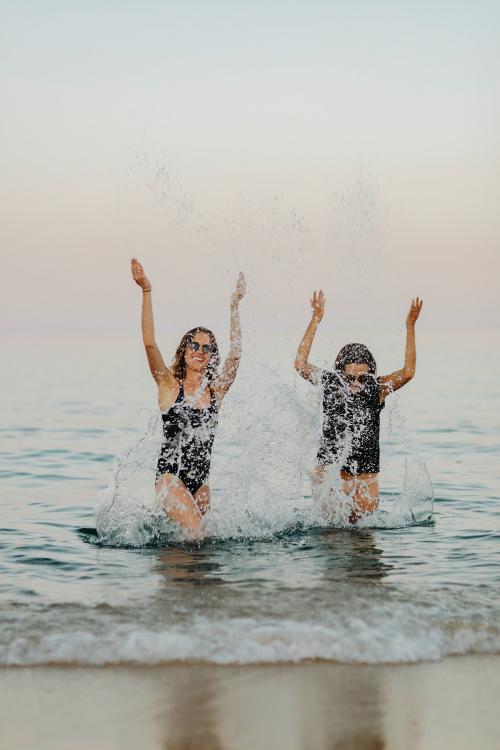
240 290
412 317
139 276
318 305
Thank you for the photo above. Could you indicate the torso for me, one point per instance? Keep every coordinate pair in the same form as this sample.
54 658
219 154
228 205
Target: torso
188 431
168 395
350 426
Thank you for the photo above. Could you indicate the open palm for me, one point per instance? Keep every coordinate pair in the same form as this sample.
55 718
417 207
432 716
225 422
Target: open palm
318 305
414 312
138 274
239 292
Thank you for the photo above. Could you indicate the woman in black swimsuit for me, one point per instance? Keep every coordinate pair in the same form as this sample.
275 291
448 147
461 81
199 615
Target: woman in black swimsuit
353 397
189 394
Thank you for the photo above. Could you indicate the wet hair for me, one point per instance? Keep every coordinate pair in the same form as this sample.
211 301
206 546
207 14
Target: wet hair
179 361
355 354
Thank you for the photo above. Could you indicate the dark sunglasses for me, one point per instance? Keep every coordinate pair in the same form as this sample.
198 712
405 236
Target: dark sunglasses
363 378
205 348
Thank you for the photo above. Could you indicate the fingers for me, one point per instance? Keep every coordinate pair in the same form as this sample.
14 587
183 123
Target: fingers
138 274
416 304
318 300
415 307
241 286
136 266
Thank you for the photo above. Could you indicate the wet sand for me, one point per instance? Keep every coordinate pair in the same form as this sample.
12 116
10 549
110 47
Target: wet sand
453 703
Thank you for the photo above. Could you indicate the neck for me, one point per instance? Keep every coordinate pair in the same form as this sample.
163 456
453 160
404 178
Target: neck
193 378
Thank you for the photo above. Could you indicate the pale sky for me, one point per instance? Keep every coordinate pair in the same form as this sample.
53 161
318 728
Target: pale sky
349 145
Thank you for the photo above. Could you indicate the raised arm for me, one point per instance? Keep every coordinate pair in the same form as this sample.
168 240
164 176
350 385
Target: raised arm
159 370
302 364
230 368
399 378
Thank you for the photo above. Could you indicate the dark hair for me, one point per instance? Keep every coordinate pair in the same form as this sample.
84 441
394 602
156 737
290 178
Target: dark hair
179 361
355 354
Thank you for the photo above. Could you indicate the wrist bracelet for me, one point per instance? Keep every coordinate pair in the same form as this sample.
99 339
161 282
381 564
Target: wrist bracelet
147 290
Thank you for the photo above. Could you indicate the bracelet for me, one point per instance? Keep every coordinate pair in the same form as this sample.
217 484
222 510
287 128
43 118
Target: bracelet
147 290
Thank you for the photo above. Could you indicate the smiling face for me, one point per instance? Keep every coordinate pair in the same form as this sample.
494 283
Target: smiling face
356 376
198 360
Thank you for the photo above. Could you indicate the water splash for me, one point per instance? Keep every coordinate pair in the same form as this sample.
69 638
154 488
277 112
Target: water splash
263 458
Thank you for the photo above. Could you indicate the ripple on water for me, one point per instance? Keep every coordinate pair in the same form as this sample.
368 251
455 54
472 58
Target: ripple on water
294 593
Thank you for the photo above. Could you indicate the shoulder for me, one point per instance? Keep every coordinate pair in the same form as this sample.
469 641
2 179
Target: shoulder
327 378
165 378
330 384
381 391
168 391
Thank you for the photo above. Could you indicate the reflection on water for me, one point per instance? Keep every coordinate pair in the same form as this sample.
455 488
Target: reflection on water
316 707
353 555
191 717
328 554
179 565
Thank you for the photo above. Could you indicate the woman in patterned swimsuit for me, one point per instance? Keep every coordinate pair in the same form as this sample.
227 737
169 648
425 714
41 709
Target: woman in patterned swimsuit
190 394
353 397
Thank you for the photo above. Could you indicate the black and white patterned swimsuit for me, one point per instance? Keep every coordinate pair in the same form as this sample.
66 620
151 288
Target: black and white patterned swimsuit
350 426
188 439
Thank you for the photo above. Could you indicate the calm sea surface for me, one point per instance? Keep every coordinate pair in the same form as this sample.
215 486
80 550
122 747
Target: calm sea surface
270 583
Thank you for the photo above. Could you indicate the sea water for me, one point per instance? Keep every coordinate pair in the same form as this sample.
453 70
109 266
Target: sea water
91 573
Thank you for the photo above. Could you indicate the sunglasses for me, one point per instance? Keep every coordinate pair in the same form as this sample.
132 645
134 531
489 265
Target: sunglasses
363 379
205 348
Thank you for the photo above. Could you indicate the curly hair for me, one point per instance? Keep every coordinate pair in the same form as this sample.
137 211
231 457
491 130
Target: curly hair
355 354
179 361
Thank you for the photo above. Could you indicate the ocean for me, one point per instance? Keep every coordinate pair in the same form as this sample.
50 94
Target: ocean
91 575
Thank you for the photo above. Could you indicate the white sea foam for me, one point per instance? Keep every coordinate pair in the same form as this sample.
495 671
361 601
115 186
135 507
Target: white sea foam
404 637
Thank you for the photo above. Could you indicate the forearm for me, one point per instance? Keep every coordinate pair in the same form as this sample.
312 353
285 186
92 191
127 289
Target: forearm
232 362
302 356
410 353
147 323
235 332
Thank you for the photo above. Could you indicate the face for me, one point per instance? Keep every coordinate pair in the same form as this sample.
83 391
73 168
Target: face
353 374
198 360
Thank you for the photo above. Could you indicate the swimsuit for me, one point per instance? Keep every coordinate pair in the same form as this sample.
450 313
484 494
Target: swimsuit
189 435
350 426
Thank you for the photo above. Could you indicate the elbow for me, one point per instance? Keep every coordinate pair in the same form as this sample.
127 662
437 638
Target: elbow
408 374
235 356
299 366
149 345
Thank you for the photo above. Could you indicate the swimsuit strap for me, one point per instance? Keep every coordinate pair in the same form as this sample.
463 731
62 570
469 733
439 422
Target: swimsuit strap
180 395
213 400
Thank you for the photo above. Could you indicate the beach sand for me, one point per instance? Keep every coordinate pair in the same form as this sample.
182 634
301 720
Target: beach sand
452 703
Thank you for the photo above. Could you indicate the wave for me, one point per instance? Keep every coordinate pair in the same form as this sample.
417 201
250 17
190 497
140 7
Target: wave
407 637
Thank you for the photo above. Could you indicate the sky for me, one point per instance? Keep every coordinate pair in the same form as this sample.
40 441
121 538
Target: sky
353 146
